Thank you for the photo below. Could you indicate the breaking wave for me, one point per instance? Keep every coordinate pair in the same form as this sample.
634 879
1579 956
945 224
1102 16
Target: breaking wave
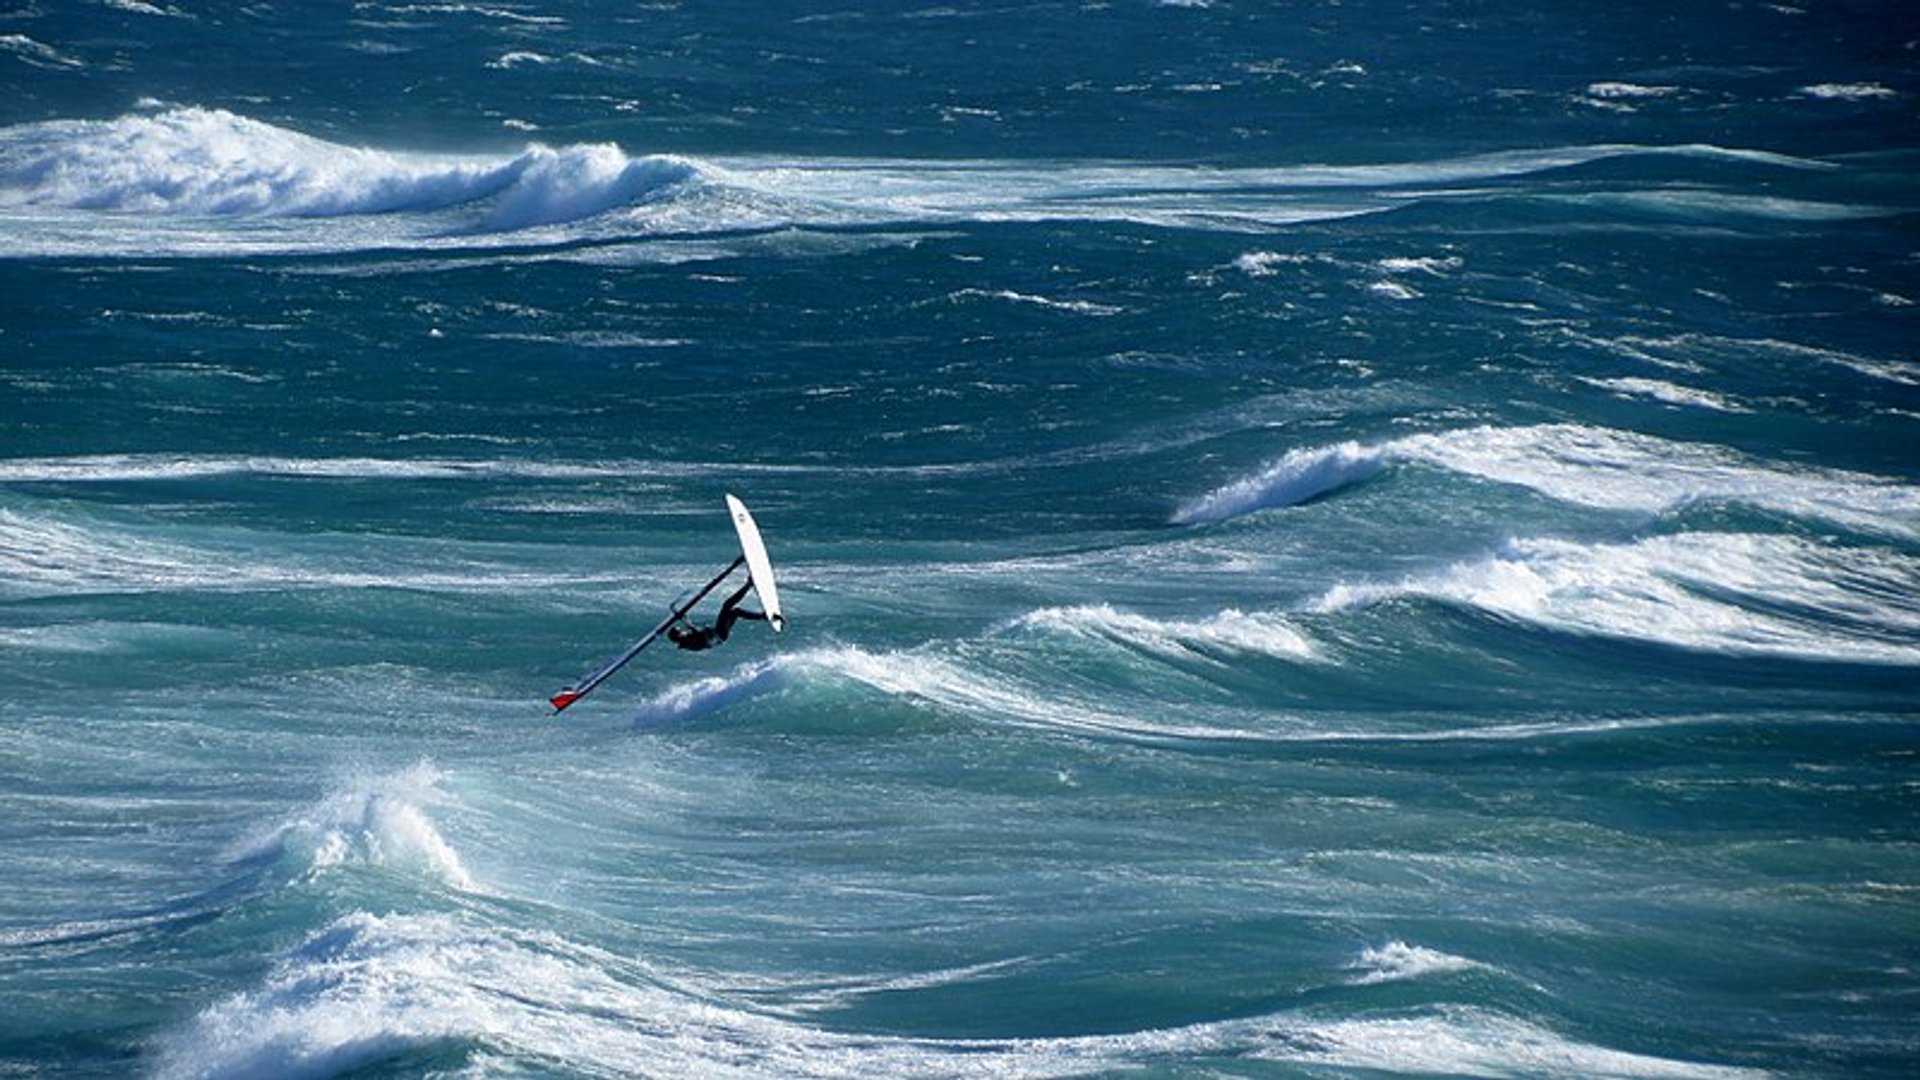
1231 631
1398 961
1577 464
1723 593
163 181
213 162
1299 477
704 697
370 988
374 821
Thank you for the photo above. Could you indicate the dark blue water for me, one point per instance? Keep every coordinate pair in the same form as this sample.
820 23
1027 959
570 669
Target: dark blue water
1341 539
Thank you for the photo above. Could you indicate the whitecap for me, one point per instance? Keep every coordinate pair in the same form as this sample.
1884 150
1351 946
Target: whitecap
372 821
1431 265
201 162
707 696
168 182
1231 630
983 693
1300 476
370 988
1397 961
1578 464
1617 91
1668 393
1394 290
1730 594
1266 263
520 58
1871 91
1077 307
37 53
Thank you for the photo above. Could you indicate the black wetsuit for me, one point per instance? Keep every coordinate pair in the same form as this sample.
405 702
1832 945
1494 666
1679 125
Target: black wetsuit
696 638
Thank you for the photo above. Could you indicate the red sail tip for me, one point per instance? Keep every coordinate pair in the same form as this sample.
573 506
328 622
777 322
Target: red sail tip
563 699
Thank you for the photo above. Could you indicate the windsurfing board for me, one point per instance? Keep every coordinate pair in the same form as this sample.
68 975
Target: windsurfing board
759 567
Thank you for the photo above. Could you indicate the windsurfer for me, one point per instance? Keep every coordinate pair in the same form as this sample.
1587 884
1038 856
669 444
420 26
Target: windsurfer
696 638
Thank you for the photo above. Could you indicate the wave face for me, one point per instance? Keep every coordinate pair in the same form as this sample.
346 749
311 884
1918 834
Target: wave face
1312 543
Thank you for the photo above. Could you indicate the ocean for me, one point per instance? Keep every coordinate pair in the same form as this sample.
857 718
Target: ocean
1328 539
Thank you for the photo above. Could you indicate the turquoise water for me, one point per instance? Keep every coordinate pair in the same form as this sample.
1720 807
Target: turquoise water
1319 540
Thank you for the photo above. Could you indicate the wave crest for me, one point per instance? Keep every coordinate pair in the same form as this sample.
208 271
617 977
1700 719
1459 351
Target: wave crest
211 162
1718 593
371 989
1580 465
1231 630
1397 961
379 821
1299 477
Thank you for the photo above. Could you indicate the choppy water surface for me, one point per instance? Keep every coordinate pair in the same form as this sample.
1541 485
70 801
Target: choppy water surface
1316 542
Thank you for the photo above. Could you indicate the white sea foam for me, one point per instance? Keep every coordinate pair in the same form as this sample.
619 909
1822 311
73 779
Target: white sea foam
1266 263
1397 961
1723 204
975 690
49 555
1723 593
123 468
211 162
1696 352
1579 464
141 7
1300 476
1078 307
1431 265
370 988
373 821
704 697
1849 92
1618 91
35 53
982 692
166 179
1394 290
39 554
1669 393
1231 631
